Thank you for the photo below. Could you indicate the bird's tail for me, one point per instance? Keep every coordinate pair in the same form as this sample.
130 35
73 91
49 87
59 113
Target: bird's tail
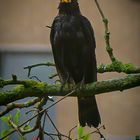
88 112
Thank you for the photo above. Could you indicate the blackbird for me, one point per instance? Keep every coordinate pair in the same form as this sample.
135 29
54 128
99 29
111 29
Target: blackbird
73 45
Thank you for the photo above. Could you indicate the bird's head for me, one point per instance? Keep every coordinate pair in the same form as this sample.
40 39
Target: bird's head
65 1
68 1
69 7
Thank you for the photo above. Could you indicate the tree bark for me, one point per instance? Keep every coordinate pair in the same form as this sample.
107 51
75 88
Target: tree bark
31 88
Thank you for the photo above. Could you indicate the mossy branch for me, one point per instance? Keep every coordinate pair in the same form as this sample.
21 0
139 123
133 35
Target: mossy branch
41 89
11 106
118 66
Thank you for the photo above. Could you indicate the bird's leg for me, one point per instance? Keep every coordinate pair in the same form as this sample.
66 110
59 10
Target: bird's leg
65 82
62 86
81 84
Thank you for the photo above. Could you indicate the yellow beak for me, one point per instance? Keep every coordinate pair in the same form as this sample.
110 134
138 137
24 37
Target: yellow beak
65 1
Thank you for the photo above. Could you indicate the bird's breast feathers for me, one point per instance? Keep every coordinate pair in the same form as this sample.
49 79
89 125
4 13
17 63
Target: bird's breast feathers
68 29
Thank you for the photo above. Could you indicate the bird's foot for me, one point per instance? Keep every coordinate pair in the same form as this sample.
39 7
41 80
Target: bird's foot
80 85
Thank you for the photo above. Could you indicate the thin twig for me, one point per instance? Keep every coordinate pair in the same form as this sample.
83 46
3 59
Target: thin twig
39 117
35 77
101 12
49 27
107 33
72 130
96 131
44 121
50 135
14 126
56 135
59 134
53 76
48 64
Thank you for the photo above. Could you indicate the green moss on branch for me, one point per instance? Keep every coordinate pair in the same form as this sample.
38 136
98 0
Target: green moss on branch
118 66
40 89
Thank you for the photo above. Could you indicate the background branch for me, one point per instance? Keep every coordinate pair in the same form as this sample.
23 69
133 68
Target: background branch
107 33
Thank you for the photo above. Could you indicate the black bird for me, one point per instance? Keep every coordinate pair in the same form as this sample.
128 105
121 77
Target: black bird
73 45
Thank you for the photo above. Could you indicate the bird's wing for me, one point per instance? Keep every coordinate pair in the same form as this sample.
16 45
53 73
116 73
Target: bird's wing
57 51
91 44
88 31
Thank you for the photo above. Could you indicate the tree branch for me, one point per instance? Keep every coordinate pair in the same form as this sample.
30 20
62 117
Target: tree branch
118 66
107 33
115 66
48 64
12 106
41 89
